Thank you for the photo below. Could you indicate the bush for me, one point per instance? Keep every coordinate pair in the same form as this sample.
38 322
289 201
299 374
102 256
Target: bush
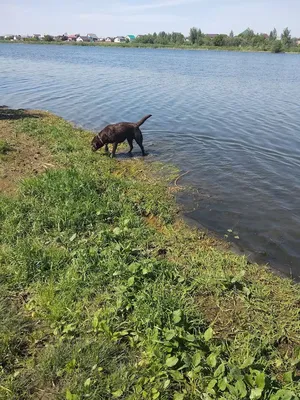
4 147
277 47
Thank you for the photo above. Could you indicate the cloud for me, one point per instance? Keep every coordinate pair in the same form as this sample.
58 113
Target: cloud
133 13
157 5
104 17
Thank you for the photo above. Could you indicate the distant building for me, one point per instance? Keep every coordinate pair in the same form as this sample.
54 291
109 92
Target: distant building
298 42
213 35
130 37
60 38
120 39
72 38
247 32
92 36
109 39
83 39
101 39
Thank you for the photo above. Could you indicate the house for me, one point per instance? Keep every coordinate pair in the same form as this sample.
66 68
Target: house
120 39
17 37
101 39
36 36
83 39
8 36
298 42
130 37
265 35
60 38
72 38
92 37
213 35
247 32
109 39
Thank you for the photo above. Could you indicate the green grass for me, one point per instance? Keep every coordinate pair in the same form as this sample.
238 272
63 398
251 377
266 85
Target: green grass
105 294
267 48
4 147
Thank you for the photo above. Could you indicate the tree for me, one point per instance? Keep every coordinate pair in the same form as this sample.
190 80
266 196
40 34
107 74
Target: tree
258 40
48 38
199 37
273 34
247 35
219 40
286 37
277 47
193 35
231 35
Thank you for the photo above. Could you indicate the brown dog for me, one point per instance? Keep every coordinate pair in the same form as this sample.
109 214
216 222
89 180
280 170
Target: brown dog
118 133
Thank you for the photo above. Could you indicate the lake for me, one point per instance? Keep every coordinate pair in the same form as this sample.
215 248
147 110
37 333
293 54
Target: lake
231 120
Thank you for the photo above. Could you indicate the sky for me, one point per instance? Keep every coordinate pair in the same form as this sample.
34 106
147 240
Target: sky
123 17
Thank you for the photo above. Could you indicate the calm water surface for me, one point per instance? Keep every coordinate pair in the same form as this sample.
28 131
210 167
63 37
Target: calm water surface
231 119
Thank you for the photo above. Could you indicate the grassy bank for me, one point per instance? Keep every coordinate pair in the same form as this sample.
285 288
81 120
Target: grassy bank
106 294
160 46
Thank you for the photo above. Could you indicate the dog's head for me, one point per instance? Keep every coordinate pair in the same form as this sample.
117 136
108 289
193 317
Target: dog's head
97 143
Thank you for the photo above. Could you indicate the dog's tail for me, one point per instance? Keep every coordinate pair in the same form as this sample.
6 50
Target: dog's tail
143 120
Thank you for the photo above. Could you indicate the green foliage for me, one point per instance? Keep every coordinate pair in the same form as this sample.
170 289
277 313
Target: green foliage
193 35
273 34
48 38
286 38
219 40
277 47
99 303
162 38
4 147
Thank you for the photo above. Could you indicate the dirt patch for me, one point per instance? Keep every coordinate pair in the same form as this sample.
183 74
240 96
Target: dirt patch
229 316
24 157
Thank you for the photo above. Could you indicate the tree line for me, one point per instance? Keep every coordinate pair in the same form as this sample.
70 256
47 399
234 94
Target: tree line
247 38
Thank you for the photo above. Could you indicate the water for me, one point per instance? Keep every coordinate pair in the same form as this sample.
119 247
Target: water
231 119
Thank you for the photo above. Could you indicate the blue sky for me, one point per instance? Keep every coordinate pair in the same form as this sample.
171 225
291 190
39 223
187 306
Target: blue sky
116 17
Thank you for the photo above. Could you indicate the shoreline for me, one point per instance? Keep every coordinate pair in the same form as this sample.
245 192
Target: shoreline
154 46
107 292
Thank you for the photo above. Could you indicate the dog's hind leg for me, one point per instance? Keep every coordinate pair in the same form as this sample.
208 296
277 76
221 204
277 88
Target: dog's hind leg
130 144
139 139
115 145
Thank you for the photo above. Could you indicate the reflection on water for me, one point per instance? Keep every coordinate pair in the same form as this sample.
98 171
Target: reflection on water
231 119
